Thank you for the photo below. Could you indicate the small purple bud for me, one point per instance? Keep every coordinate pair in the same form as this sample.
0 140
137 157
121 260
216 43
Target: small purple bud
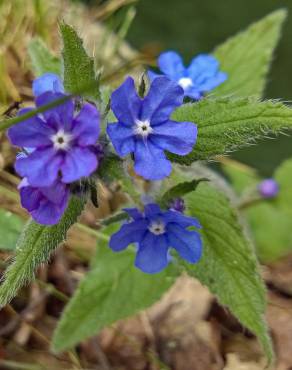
268 188
178 204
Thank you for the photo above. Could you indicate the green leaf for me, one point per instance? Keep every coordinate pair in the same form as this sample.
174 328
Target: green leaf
42 59
34 247
114 289
10 228
225 125
180 190
79 71
228 265
247 56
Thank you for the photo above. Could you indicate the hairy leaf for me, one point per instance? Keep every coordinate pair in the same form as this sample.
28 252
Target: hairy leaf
225 125
112 290
247 56
34 247
42 59
79 71
228 266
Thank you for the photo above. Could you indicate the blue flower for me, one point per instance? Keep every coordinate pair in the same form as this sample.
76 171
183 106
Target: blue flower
47 82
47 204
200 77
145 128
62 144
155 232
268 188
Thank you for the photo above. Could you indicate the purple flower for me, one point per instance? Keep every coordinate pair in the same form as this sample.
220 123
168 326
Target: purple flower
156 231
200 77
268 188
145 128
61 143
46 204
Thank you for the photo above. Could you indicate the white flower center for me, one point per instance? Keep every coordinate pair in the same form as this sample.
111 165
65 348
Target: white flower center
157 227
185 82
61 140
142 128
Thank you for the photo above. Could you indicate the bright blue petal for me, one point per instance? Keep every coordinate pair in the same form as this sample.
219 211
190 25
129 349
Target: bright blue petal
32 132
122 138
202 66
194 92
152 75
171 64
134 213
163 97
213 82
47 82
78 162
181 219
175 137
125 103
59 117
187 243
86 125
151 210
41 167
152 254
150 161
129 233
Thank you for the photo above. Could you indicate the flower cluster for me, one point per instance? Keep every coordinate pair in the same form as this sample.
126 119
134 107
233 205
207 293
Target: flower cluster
155 232
200 77
59 149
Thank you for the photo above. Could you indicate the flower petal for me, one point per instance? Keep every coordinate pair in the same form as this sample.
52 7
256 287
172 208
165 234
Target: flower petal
49 213
152 254
78 162
176 137
181 219
122 138
55 193
32 132
152 75
134 213
151 210
125 103
163 97
86 126
194 92
41 167
203 66
47 82
59 117
187 243
129 233
171 64
30 198
150 161
212 82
